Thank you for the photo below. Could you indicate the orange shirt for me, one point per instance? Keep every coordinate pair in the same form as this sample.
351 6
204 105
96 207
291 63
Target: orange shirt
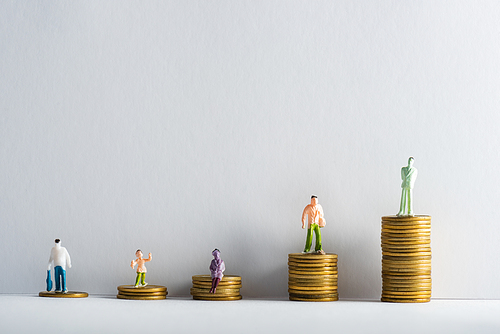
315 213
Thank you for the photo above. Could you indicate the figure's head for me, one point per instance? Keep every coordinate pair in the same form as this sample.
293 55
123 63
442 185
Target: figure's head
216 253
410 161
314 199
57 241
138 253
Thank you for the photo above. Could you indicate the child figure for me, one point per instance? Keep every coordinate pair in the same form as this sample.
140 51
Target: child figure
141 268
217 268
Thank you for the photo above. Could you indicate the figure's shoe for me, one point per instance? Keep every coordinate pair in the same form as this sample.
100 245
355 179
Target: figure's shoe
143 285
136 286
58 291
305 252
322 252
65 291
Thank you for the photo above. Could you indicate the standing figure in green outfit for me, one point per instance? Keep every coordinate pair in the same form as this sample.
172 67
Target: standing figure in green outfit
408 175
315 213
141 268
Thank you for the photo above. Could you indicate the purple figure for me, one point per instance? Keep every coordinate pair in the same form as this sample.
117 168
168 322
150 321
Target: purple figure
217 268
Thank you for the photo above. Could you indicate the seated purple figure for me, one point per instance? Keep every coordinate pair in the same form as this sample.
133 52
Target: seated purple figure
217 268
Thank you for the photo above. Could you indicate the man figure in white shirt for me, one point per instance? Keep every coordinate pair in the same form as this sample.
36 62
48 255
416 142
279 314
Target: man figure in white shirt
60 256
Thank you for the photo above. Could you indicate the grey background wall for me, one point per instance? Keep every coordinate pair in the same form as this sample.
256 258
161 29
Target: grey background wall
180 126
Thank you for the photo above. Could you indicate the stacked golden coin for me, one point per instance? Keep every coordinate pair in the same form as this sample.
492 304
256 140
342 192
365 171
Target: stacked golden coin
228 288
406 259
149 292
312 277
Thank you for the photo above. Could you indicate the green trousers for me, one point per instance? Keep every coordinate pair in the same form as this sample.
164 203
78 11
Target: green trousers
315 228
140 277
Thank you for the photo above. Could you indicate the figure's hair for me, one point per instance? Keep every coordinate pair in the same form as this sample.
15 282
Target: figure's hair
58 241
216 250
412 158
314 196
138 251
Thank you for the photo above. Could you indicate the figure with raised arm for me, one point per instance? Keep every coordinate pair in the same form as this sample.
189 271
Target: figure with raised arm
60 256
408 175
217 268
141 268
314 211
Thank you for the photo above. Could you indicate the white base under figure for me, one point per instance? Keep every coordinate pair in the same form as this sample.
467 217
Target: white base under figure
408 175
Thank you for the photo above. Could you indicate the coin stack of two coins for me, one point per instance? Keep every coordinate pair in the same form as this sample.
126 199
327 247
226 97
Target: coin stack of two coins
406 259
312 277
150 292
228 288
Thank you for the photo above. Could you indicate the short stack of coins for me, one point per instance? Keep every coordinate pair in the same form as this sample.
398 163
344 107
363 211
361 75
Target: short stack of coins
312 277
406 259
150 292
228 288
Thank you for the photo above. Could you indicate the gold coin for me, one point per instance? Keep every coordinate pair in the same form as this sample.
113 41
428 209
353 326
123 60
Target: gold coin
312 277
312 292
313 273
416 226
121 296
406 258
409 286
407 278
406 251
407 218
405 294
69 294
406 281
314 284
407 254
208 286
312 288
298 299
162 293
312 256
397 246
415 288
313 296
226 278
219 291
217 298
417 231
146 289
405 237
311 265
215 295
406 265
416 300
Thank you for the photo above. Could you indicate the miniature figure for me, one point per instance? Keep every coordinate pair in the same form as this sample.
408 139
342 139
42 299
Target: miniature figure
217 268
141 268
316 221
60 256
408 175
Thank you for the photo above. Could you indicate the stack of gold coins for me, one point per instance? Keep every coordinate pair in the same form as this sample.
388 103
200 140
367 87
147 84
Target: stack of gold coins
228 288
312 277
150 292
406 259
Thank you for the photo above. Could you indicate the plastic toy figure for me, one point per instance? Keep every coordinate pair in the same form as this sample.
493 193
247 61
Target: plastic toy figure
141 268
217 268
315 213
408 175
60 256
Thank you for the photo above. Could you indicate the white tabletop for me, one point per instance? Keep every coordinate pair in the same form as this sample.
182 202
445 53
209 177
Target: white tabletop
107 314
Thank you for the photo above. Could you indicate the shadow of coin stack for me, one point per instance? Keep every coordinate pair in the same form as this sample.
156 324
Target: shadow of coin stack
312 277
150 292
228 288
406 259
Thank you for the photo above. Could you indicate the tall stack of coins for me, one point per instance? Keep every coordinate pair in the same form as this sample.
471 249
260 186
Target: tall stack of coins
150 292
228 288
312 277
406 259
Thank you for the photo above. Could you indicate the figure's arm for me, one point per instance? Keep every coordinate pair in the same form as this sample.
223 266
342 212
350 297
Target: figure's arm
68 259
304 214
222 267
51 258
322 221
150 257
133 263
403 176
